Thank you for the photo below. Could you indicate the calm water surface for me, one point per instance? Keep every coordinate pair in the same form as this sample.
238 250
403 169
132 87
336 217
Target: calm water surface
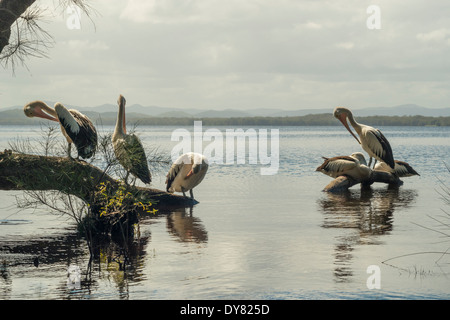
253 236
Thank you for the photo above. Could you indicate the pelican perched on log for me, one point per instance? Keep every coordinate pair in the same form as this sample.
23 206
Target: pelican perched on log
401 168
186 173
128 148
360 157
372 140
353 166
75 126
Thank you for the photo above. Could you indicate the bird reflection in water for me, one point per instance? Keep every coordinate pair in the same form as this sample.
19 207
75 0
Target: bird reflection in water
187 228
367 214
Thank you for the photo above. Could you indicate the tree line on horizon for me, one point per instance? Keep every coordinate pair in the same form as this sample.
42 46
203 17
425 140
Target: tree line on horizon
325 119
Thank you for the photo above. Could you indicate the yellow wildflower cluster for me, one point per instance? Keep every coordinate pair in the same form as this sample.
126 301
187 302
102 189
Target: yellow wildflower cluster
121 201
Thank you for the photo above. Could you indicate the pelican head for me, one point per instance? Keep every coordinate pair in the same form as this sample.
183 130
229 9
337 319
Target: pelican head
360 157
121 100
342 114
36 109
197 167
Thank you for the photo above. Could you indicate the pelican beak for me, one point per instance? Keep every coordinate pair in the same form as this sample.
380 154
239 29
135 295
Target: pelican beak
41 114
343 118
121 101
190 173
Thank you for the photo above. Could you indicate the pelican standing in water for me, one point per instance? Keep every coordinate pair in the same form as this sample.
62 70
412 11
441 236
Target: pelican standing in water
75 126
128 148
186 173
372 140
353 166
401 168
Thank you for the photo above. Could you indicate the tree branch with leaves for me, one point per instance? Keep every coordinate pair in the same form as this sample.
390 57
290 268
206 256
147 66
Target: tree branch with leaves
80 189
21 34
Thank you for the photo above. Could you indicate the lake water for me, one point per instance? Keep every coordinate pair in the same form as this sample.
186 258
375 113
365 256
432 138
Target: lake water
254 236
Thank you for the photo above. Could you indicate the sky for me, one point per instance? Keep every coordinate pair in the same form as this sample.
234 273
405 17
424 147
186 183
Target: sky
246 54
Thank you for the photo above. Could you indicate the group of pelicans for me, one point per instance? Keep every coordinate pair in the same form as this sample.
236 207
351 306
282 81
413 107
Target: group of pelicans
190 168
374 143
184 174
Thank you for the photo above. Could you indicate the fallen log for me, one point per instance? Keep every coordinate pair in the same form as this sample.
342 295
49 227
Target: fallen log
343 183
19 171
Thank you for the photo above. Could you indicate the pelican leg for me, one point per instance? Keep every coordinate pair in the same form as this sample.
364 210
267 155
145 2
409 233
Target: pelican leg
192 194
370 161
375 163
182 190
69 149
126 178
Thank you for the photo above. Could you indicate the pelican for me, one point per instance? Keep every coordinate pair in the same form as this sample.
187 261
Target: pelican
353 166
75 126
360 157
128 148
401 168
186 173
372 140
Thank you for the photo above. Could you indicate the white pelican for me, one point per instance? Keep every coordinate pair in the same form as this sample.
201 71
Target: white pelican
128 148
186 173
372 140
352 166
401 168
75 126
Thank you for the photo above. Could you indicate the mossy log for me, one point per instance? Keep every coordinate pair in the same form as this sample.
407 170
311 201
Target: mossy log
20 171
343 183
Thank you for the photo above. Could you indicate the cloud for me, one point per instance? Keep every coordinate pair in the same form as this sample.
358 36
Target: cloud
439 36
85 45
225 53
346 45
313 25
138 10
170 11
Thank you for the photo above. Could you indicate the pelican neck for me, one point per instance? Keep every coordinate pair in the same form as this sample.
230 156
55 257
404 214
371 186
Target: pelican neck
48 109
120 120
353 122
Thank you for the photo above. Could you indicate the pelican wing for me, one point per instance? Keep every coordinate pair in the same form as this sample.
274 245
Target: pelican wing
172 174
337 165
80 130
380 146
131 155
403 169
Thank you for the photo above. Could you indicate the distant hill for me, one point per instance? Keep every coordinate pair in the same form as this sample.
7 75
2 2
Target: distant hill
228 113
107 113
154 111
405 110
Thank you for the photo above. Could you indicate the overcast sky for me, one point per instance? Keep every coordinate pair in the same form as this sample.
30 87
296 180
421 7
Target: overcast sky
242 54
